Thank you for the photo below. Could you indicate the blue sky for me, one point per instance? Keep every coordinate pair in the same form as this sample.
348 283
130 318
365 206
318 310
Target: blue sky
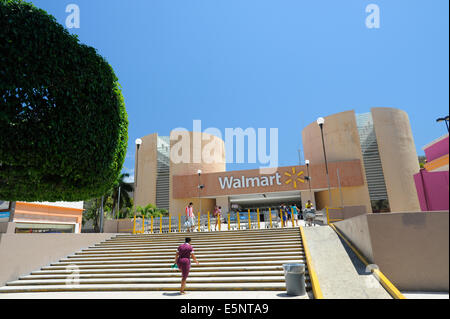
269 63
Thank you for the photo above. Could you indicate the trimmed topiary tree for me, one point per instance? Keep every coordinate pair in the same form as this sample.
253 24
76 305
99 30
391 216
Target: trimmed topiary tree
63 123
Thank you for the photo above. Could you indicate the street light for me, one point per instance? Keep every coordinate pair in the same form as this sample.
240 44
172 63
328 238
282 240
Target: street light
320 122
309 178
443 119
138 144
200 187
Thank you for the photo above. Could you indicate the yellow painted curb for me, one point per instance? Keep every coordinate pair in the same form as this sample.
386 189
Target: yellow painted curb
385 282
312 273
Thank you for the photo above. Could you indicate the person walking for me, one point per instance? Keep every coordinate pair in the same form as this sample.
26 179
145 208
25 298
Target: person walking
283 215
294 215
217 215
287 212
183 261
190 222
300 212
309 214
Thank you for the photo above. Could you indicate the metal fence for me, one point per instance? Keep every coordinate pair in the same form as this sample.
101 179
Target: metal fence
250 219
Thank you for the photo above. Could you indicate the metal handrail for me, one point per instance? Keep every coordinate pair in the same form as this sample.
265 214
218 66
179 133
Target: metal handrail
242 220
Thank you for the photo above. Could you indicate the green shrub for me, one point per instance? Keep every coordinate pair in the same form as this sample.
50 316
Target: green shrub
63 123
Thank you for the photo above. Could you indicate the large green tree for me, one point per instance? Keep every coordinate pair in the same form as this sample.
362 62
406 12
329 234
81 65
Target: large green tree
63 123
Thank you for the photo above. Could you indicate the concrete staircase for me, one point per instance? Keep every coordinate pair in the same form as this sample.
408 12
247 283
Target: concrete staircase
231 260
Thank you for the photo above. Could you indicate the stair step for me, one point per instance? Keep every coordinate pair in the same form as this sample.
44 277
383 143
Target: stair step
211 245
199 256
201 240
223 245
173 273
168 259
230 233
196 249
147 280
158 270
197 252
168 265
150 287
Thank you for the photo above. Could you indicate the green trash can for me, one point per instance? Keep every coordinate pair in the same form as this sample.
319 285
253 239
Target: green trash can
294 275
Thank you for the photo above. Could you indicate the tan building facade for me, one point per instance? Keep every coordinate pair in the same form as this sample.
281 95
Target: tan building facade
382 140
371 158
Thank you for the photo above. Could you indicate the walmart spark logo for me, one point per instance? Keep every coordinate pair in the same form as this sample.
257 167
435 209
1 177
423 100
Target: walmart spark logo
294 177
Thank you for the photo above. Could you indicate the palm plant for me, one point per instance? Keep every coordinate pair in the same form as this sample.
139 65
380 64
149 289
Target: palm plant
123 189
151 210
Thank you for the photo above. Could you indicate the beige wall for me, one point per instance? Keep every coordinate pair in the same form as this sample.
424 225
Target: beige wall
21 254
146 172
398 157
7 227
350 197
410 248
342 144
197 145
118 226
223 202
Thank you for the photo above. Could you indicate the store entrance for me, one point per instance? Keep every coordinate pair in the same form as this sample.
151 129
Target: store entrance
265 201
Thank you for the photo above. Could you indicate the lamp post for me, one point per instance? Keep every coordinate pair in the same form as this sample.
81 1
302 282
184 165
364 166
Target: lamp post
320 122
309 178
12 210
200 187
444 119
102 215
118 204
138 144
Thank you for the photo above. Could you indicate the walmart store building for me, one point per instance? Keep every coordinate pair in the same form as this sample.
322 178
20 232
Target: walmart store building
371 161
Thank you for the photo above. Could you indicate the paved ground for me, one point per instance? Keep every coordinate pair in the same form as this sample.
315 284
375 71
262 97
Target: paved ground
156 295
340 273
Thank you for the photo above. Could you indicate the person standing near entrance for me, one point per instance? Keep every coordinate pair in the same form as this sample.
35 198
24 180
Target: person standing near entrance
190 217
183 260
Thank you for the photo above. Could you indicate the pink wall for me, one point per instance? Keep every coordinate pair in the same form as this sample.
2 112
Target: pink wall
432 189
437 150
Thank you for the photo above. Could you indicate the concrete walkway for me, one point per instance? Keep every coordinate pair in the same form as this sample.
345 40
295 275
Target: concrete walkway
340 273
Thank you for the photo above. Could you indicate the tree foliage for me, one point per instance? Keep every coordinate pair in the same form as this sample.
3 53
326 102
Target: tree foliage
63 123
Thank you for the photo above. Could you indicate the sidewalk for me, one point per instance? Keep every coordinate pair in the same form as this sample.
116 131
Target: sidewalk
340 273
